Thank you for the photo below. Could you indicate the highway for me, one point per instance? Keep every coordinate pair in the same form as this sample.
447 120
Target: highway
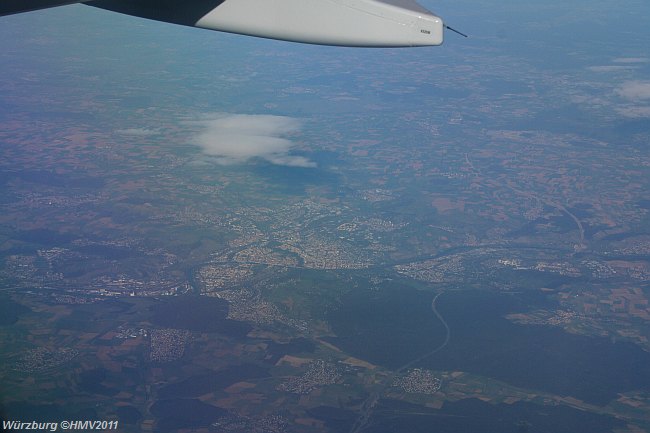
369 404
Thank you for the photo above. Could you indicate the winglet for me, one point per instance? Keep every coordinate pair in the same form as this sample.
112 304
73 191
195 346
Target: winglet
455 31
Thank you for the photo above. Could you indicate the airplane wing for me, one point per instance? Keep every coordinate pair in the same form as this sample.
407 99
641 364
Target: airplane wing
358 23
8 7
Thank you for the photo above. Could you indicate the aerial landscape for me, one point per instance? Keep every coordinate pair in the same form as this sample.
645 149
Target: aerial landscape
204 232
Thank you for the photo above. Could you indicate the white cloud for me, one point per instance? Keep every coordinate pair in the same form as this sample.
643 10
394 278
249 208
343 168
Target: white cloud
635 112
631 60
136 131
237 138
610 68
635 90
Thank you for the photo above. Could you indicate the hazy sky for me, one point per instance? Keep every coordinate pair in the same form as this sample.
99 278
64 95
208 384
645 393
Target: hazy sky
592 56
